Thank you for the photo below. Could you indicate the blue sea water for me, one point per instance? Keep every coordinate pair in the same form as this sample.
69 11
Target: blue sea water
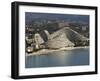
73 57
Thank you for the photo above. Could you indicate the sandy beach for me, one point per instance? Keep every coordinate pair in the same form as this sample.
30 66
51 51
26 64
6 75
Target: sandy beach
46 51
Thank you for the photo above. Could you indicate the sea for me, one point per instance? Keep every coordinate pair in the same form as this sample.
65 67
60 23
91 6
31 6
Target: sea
74 57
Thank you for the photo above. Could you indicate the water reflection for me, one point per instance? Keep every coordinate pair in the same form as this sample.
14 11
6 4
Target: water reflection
60 58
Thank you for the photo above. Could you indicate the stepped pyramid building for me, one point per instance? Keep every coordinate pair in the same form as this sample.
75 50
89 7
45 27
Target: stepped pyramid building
64 37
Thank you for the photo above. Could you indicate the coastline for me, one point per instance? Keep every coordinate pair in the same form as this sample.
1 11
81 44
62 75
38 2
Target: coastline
46 51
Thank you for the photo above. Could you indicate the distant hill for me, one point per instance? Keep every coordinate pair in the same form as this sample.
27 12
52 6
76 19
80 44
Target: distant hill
29 17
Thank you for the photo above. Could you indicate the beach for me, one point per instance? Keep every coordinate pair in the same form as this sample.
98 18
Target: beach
47 51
